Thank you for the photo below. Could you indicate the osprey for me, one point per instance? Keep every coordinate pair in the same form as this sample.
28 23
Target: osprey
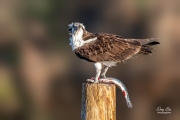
106 50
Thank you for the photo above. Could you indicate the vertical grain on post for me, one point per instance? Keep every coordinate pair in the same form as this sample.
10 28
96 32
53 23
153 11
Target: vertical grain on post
98 102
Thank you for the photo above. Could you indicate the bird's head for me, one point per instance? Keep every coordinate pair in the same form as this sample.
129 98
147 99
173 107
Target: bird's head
76 32
76 29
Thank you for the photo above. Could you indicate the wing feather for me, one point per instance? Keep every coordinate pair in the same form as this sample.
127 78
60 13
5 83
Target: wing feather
108 47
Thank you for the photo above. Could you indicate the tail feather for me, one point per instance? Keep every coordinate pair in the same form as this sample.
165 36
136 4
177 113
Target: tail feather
146 50
150 41
146 44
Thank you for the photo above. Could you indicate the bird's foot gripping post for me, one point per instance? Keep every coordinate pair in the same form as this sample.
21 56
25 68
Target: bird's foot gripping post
119 84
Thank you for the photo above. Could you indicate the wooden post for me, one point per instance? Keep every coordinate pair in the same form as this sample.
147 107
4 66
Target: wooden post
98 101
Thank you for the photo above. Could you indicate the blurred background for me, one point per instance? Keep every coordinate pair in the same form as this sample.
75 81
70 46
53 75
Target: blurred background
41 78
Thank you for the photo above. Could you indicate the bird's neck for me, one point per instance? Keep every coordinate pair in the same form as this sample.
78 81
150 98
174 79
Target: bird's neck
76 40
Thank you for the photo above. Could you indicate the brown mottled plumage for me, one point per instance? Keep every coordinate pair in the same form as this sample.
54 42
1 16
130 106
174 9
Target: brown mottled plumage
110 47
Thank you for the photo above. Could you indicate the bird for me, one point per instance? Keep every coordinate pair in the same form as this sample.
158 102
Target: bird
106 50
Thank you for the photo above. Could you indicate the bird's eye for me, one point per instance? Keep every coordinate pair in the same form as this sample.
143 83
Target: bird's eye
70 29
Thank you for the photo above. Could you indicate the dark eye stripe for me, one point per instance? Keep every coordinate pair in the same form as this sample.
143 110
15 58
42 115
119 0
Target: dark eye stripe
70 29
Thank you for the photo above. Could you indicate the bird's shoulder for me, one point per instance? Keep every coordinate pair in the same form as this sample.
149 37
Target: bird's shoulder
107 36
101 36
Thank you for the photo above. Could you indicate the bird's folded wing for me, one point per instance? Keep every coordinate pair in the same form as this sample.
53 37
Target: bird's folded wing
108 47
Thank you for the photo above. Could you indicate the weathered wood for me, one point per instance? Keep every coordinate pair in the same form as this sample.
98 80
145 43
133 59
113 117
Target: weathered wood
98 102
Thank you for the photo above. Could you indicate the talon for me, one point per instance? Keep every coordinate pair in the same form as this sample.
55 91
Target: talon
93 78
90 80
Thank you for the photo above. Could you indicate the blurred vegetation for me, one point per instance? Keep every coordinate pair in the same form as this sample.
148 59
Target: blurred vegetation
40 76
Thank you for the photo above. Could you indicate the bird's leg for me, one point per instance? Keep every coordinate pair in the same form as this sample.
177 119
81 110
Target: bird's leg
98 67
103 75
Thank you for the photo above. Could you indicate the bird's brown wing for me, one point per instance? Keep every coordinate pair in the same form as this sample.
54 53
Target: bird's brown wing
108 47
